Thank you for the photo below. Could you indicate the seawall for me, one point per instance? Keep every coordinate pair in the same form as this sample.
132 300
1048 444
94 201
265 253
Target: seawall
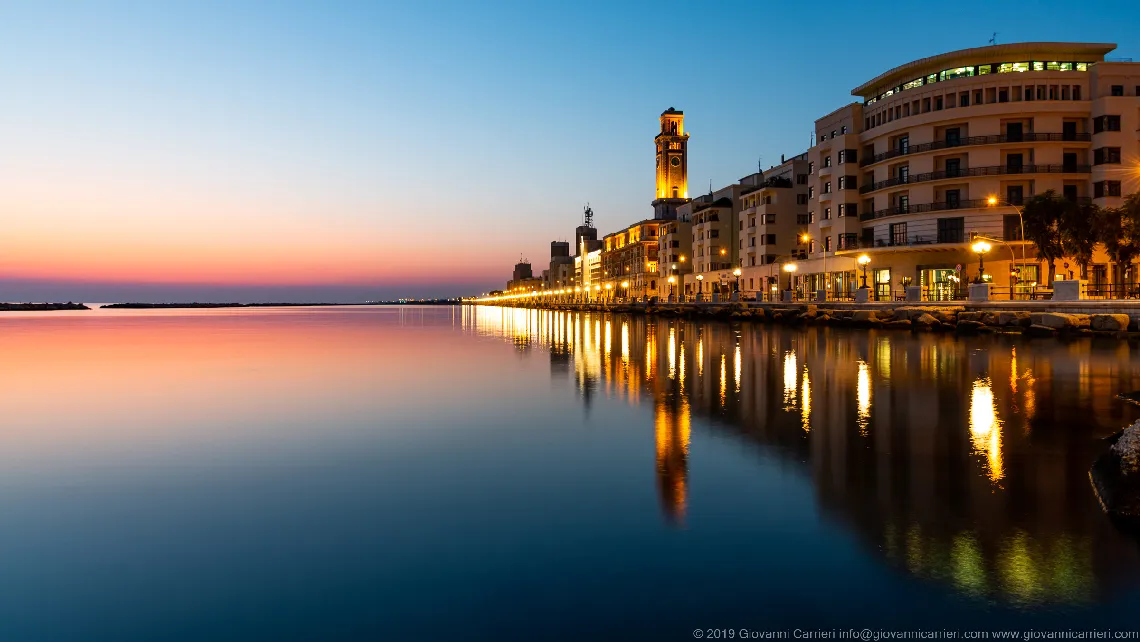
1115 319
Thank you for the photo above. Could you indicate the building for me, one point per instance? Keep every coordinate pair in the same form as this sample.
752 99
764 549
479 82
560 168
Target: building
674 249
942 151
560 274
588 274
716 240
672 184
629 260
774 222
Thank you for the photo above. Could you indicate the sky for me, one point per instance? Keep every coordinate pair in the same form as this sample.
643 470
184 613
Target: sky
353 151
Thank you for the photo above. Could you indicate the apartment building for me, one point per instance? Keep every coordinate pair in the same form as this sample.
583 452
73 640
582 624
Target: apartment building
774 222
629 260
716 240
674 250
942 151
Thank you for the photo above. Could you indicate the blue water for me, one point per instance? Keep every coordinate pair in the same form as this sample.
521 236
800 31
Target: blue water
479 474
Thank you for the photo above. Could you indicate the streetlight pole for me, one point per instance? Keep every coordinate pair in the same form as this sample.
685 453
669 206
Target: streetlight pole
863 261
993 201
737 272
981 247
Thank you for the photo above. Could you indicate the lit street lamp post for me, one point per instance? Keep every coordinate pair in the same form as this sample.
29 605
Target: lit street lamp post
980 248
700 284
863 261
737 272
790 268
624 290
672 281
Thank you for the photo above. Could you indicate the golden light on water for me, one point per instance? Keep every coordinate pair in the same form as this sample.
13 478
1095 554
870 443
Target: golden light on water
985 428
608 339
723 377
863 397
672 347
805 402
736 366
624 343
790 372
681 368
700 357
650 352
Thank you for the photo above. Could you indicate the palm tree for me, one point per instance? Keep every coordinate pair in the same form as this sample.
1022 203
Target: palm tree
1120 234
1080 227
1042 216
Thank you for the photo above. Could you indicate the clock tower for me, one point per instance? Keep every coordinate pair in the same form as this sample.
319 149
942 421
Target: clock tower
672 165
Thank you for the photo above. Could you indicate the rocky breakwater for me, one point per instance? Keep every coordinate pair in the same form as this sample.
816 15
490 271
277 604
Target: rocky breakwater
1116 477
918 318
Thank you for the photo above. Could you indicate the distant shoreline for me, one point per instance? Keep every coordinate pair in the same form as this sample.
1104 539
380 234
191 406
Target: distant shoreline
165 306
41 307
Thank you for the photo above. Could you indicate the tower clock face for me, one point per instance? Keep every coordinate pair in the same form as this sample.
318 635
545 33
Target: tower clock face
675 162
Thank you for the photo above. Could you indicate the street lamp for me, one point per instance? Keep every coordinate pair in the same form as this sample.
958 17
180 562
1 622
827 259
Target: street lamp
672 280
625 290
993 202
609 295
863 261
737 272
790 268
700 281
980 248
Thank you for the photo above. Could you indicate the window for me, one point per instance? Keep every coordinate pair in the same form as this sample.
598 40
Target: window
714 234
769 219
904 144
1011 227
842 156
811 168
827 161
811 192
1118 90
953 199
842 182
952 230
1076 92
964 99
826 213
904 173
1106 155
978 97
953 137
1106 188
898 234
1106 124
1013 163
848 209
827 244
938 103
902 204
1015 194
802 199
953 167
827 187
801 179
769 239
843 129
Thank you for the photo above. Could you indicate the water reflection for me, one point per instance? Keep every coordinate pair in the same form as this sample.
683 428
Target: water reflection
910 444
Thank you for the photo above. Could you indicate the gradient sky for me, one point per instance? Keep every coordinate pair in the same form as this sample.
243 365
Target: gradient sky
345 151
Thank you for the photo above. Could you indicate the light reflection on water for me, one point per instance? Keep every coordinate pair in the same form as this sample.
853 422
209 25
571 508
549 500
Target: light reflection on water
911 445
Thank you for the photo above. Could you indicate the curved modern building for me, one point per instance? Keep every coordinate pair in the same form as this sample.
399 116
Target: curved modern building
940 152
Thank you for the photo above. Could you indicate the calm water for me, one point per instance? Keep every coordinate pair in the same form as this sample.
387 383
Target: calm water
481 473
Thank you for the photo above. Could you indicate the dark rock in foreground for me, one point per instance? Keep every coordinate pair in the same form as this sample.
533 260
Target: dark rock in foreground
1116 477
41 307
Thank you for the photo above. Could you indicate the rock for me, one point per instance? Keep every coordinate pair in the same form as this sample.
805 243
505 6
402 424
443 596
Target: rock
898 324
1054 320
759 314
989 318
926 322
968 316
864 316
1013 318
1037 330
1116 476
1110 322
967 326
821 319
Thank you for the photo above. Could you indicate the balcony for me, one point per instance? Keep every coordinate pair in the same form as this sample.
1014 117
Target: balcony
976 140
992 170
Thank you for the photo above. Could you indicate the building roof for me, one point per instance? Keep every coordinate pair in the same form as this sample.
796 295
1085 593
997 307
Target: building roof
1062 51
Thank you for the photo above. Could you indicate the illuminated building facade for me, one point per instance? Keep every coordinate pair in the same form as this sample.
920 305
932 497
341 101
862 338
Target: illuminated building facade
629 260
672 144
944 149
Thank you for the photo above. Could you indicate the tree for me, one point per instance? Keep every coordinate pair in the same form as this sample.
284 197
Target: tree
1080 227
1042 216
1120 233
